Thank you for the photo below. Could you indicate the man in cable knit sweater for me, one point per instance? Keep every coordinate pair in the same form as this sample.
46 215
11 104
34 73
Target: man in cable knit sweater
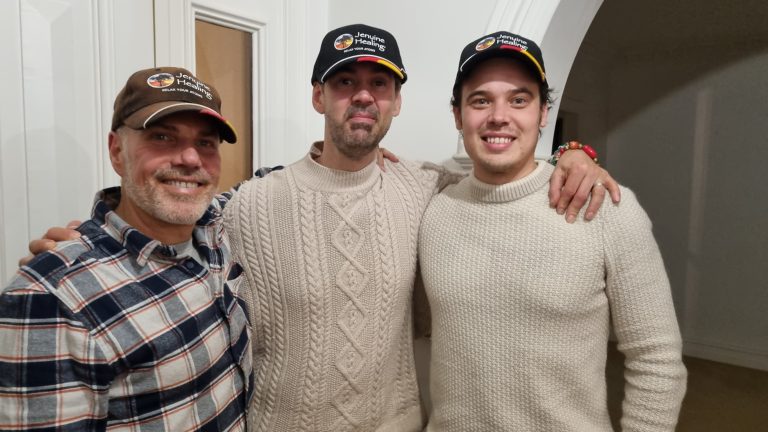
522 303
329 249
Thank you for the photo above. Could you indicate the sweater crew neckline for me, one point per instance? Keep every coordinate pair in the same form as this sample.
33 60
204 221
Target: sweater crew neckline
511 191
321 178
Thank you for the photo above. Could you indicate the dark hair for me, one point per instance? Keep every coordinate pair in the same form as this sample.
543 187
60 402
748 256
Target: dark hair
545 93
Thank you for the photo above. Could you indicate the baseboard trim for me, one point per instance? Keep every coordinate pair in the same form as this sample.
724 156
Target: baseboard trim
734 356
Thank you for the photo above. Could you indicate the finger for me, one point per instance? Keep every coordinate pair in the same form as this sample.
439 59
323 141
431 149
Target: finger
576 190
24 261
612 186
389 155
74 224
595 200
58 234
579 199
380 160
39 246
555 186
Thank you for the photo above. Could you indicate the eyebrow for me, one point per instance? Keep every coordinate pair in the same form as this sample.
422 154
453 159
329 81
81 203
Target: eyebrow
522 90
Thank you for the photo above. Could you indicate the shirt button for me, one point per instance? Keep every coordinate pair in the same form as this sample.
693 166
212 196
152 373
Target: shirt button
189 264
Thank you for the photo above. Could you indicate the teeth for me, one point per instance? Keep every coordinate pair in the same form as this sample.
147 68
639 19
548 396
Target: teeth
498 140
182 185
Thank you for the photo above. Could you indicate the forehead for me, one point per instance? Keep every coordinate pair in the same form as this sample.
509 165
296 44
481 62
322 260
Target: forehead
502 69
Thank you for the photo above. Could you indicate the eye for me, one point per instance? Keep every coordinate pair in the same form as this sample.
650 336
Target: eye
479 102
520 100
208 144
381 82
157 136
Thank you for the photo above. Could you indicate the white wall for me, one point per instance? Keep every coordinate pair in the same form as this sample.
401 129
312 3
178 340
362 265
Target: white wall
63 59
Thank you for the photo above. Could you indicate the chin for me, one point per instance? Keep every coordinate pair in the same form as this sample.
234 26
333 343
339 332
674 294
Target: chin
181 216
182 212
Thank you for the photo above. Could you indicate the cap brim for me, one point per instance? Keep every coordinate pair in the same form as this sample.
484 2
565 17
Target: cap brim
144 117
503 51
364 58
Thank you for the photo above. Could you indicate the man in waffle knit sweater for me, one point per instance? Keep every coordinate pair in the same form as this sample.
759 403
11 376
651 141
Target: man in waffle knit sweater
522 303
328 246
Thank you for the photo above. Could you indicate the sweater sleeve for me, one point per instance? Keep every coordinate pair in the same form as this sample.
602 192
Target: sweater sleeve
643 319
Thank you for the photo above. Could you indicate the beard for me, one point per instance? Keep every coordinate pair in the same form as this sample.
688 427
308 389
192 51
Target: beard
357 140
172 208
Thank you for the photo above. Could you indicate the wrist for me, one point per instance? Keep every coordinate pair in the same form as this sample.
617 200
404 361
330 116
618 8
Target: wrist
573 145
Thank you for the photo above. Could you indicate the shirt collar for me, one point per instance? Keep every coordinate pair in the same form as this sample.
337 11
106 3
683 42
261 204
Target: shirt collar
208 231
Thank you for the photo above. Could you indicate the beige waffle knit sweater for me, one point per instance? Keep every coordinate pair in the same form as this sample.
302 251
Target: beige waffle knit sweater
330 257
522 303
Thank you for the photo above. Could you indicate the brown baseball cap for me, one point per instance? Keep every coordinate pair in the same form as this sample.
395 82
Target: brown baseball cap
154 93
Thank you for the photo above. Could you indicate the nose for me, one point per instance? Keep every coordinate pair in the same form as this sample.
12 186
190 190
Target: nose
499 114
362 96
188 156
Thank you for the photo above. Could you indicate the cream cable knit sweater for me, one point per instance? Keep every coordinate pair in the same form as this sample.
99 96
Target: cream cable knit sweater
330 257
522 303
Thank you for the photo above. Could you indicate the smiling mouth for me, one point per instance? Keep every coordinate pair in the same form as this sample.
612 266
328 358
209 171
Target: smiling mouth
497 140
183 184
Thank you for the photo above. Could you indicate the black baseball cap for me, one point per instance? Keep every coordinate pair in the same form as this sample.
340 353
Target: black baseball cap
151 94
498 44
357 43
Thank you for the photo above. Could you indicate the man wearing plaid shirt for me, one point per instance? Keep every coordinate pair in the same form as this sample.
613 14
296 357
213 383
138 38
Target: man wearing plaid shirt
138 324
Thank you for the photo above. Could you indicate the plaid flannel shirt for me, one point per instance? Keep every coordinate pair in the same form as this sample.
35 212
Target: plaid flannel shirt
114 331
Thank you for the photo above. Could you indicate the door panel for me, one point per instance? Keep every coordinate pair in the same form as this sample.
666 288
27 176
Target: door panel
223 59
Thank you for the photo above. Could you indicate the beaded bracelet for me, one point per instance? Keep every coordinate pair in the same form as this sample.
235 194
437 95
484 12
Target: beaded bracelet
573 145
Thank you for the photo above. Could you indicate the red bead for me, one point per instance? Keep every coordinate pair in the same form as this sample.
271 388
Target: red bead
589 151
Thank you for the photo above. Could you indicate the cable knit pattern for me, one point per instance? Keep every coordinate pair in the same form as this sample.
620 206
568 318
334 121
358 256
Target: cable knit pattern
522 305
386 271
313 376
256 246
331 258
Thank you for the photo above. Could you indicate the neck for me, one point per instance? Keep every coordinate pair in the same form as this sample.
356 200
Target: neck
506 176
164 232
332 158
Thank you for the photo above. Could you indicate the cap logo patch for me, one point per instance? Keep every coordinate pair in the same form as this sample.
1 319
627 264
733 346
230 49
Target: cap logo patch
160 80
514 41
485 43
343 42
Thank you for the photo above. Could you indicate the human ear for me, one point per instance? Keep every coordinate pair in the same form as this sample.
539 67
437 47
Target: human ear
457 118
544 115
115 153
317 98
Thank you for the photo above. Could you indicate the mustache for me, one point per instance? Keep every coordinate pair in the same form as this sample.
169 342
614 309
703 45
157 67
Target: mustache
198 175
